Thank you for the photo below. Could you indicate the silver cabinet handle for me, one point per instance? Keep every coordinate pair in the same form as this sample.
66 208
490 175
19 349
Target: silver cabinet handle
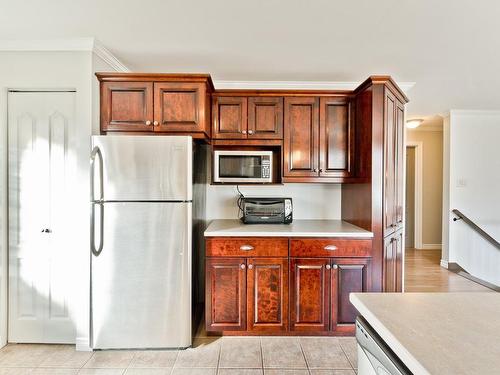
246 247
250 132
328 267
96 152
98 250
242 266
330 247
148 122
155 123
335 266
250 266
243 132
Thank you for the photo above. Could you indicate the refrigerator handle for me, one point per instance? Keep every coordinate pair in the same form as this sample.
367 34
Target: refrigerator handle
97 251
96 151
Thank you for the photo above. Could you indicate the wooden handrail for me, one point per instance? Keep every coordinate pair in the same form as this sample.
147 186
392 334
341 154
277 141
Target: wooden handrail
474 226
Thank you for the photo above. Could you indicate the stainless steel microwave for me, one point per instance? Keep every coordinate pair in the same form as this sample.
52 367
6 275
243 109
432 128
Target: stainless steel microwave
243 166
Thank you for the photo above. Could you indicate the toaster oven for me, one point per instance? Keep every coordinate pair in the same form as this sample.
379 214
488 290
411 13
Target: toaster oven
267 210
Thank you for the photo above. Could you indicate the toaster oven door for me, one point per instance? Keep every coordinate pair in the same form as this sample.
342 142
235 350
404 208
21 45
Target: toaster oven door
264 211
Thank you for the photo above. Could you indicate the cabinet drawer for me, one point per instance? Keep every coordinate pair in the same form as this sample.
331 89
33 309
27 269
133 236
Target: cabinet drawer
326 247
246 247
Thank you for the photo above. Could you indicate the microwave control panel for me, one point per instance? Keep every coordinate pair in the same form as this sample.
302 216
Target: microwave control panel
266 167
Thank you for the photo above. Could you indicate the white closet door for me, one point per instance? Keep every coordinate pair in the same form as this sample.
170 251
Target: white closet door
40 261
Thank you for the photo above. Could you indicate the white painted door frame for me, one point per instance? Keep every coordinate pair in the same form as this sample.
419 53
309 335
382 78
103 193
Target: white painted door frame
419 146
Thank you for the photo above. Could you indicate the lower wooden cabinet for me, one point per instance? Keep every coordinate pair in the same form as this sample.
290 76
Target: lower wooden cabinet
320 288
310 287
393 262
262 294
267 294
226 294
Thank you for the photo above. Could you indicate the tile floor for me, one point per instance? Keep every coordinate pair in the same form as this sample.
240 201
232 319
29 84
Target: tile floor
224 356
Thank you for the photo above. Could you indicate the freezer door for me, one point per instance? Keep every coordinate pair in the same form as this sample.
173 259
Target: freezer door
141 280
143 168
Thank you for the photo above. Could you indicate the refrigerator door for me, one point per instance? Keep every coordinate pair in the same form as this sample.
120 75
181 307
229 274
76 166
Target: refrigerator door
143 168
141 280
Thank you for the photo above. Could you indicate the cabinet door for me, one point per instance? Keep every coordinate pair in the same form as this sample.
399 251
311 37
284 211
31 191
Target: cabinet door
180 107
310 294
349 275
267 294
301 137
126 106
225 298
398 259
265 118
389 265
390 149
400 152
336 138
229 117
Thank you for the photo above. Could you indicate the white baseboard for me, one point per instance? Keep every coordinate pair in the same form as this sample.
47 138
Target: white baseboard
431 246
443 263
82 344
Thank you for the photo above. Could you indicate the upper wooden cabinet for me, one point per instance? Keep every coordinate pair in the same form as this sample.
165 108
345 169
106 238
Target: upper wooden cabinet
163 103
229 117
127 106
319 139
265 117
241 117
300 146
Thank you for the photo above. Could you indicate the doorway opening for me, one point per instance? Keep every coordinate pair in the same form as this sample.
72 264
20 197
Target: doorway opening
413 205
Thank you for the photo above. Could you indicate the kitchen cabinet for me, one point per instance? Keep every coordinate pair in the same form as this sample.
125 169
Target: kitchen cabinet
310 294
241 117
336 138
267 294
179 107
226 294
393 262
300 144
319 139
245 263
156 103
127 106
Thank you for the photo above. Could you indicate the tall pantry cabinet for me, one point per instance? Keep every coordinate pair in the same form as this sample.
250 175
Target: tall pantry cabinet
378 204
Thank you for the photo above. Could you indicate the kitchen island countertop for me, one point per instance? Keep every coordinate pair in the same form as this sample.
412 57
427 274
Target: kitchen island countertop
298 228
437 333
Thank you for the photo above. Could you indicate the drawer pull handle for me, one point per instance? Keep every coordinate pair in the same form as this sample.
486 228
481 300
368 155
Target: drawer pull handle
330 247
246 247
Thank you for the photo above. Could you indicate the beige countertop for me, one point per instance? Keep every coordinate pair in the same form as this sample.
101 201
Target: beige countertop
437 333
298 228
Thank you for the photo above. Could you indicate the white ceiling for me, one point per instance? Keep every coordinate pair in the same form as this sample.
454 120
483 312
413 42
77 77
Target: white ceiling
450 48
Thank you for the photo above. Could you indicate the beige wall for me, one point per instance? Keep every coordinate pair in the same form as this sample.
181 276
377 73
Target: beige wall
432 184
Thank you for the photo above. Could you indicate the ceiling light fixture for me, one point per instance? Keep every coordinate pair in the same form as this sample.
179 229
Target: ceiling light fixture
415 123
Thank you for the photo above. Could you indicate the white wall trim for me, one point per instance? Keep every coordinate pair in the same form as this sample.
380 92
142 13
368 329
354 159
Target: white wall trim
108 57
431 246
65 45
419 146
443 263
82 344
296 85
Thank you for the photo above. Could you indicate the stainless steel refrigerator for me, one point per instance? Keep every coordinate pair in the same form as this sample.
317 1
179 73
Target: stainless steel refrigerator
141 241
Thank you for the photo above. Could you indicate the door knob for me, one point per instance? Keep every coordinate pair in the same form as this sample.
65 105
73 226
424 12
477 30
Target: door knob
250 266
242 266
148 122
155 123
243 132
250 132
328 267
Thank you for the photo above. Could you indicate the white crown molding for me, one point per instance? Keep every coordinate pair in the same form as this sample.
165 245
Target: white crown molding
296 85
108 57
65 45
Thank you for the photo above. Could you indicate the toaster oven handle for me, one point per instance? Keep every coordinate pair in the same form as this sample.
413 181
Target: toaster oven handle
330 247
246 247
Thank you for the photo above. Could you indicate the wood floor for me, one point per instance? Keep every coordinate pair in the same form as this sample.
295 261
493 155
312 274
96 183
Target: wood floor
424 274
